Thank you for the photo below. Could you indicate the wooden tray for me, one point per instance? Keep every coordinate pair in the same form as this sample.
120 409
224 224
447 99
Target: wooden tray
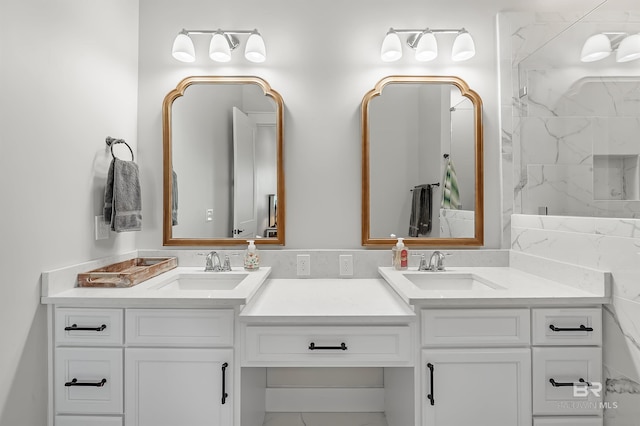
127 273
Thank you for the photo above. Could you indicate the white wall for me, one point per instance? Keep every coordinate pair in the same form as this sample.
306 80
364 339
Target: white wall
68 78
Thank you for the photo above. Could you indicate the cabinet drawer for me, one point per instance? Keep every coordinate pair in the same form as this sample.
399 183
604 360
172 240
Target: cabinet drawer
87 421
88 327
476 327
568 421
570 326
179 327
88 380
327 346
567 381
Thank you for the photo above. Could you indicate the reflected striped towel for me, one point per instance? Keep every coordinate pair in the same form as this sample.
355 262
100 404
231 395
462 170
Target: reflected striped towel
450 194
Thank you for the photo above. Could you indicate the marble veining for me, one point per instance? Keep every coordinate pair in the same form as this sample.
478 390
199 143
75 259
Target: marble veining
325 419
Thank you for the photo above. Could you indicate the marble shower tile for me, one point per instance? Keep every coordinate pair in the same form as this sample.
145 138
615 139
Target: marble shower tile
579 249
629 228
617 355
583 225
616 135
564 189
626 316
556 140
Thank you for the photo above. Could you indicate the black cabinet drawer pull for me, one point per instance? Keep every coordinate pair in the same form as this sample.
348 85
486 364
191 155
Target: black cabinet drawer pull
224 384
75 382
581 328
313 347
74 327
581 381
430 395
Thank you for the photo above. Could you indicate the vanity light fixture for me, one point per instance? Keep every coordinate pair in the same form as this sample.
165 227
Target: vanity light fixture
425 44
223 42
600 46
629 49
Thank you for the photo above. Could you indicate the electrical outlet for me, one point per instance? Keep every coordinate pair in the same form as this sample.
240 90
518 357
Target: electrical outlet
304 264
102 228
346 265
208 214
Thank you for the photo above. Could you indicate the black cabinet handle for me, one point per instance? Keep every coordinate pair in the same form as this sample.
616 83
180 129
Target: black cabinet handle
313 347
430 395
224 384
560 384
75 382
74 327
581 328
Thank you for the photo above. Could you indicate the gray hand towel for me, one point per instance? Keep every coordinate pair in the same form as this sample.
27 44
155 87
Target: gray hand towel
174 198
122 197
420 220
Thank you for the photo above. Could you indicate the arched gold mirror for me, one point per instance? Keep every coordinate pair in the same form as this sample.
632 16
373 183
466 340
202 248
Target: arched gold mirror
422 162
223 162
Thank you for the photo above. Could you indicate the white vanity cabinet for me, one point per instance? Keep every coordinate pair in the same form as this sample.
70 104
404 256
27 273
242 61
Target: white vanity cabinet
143 367
475 367
508 366
178 367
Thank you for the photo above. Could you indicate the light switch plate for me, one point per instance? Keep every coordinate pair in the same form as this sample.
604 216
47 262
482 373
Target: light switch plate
346 265
304 265
102 228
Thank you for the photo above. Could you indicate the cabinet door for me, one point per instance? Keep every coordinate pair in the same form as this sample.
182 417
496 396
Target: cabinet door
481 387
172 386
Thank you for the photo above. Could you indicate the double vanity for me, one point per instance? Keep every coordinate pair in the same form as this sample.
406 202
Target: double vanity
468 345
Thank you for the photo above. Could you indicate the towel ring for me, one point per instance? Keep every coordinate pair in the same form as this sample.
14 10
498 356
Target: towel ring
112 141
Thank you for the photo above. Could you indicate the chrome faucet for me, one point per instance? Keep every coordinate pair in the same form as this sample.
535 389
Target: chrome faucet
436 262
226 266
213 262
423 266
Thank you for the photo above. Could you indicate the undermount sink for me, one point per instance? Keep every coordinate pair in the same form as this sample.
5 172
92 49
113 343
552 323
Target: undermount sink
449 281
208 281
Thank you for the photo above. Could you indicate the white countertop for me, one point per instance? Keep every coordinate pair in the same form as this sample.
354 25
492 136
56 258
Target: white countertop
151 294
327 300
514 288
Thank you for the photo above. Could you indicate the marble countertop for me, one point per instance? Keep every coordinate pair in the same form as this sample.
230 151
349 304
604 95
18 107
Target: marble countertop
327 300
154 292
513 287
389 297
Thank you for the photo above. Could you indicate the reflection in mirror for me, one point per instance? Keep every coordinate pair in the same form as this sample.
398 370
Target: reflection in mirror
223 162
422 162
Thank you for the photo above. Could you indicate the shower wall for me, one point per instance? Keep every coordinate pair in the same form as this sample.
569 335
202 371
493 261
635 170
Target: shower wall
570 131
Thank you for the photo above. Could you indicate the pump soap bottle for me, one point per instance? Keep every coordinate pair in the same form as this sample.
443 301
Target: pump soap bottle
251 257
401 256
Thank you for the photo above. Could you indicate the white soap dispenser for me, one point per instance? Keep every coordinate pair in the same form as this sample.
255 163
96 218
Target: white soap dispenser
251 257
401 256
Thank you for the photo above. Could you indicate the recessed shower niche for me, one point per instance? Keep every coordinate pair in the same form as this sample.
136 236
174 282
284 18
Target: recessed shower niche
616 177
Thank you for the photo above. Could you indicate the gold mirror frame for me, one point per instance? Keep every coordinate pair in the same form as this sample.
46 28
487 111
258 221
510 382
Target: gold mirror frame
167 238
478 238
